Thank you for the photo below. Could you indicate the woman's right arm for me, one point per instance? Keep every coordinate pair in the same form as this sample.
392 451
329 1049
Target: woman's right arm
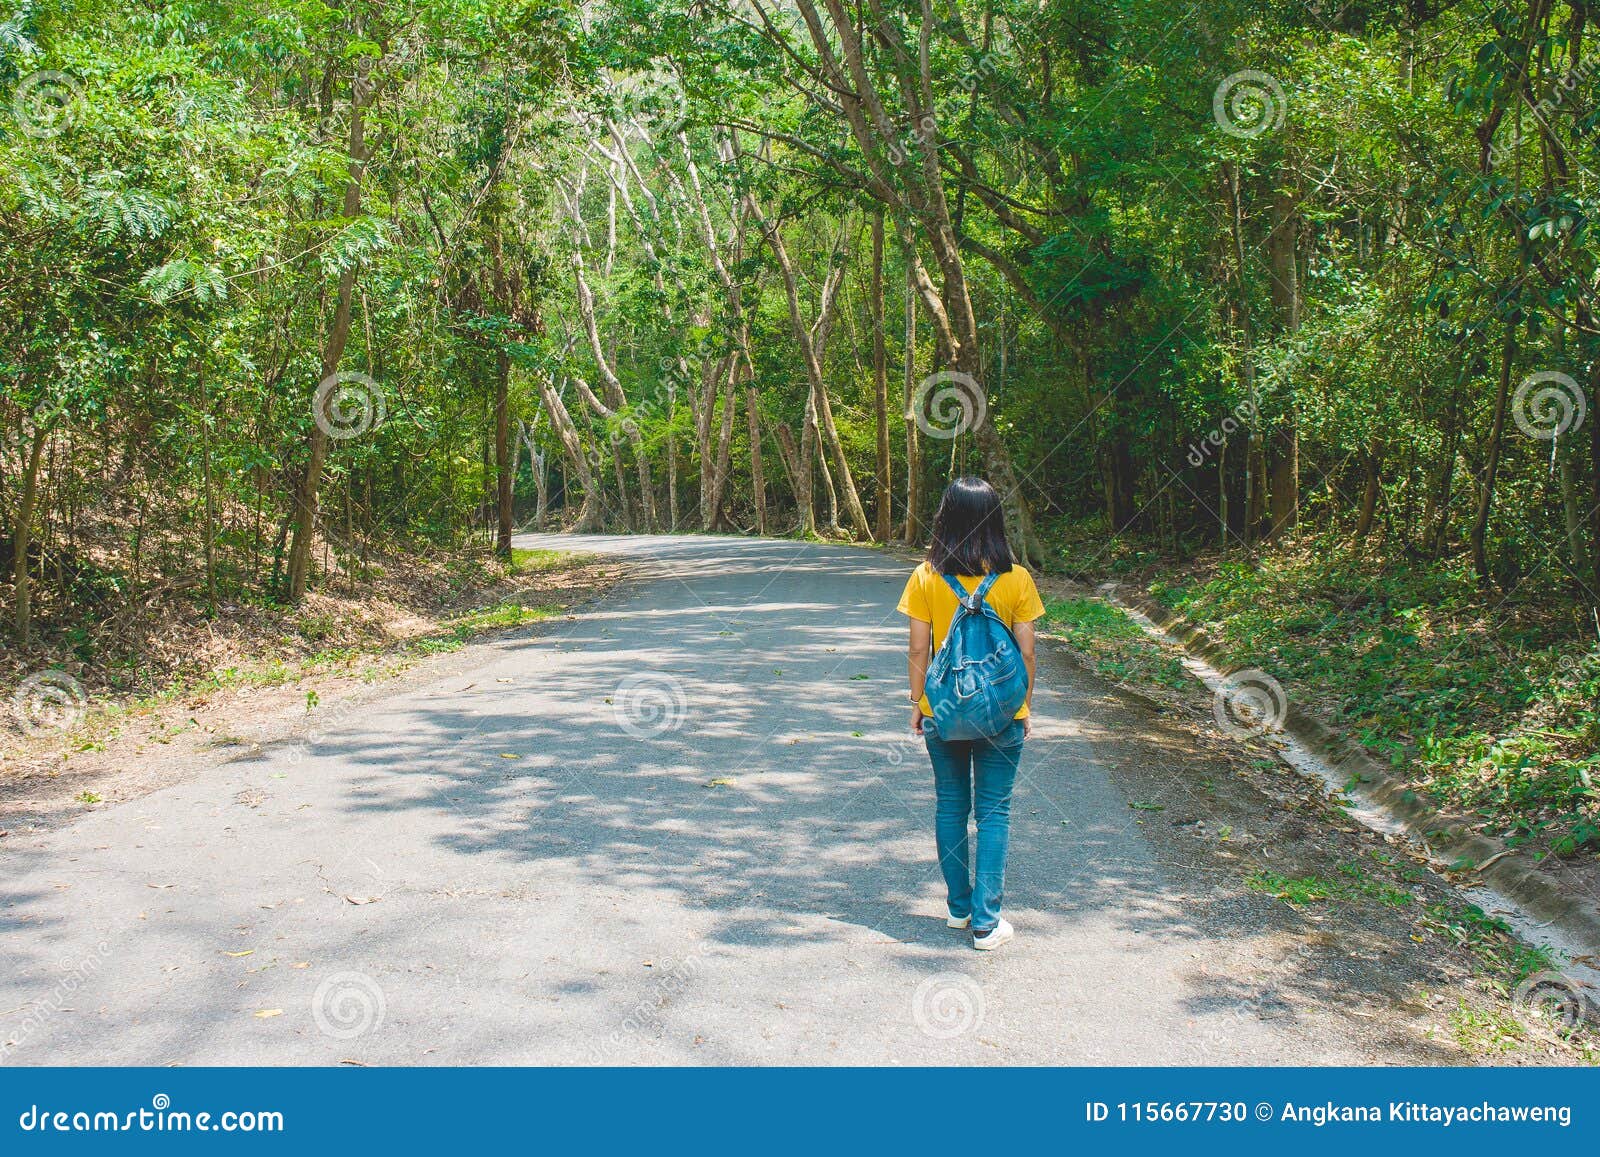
917 652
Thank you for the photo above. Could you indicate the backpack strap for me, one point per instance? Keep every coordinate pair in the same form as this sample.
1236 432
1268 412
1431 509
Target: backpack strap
974 600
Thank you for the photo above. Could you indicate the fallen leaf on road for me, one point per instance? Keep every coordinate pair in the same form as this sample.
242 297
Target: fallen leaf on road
509 755
363 1064
264 1013
160 886
721 781
363 899
246 952
301 964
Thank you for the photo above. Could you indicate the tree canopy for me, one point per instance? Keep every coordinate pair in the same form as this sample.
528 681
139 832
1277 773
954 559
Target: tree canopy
288 281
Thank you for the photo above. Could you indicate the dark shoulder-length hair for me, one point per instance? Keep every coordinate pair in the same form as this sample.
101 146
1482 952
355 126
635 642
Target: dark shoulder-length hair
969 531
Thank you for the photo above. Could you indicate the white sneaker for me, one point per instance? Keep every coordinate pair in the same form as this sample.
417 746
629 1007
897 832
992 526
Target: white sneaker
957 921
996 936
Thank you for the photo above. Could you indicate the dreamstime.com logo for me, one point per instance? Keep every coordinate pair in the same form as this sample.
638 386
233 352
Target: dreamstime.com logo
948 1004
47 104
49 701
348 404
160 1117
1549 404
1249 104
1249 703
947 404
649 704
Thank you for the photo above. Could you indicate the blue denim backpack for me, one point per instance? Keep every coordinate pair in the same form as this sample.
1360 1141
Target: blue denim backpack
977 681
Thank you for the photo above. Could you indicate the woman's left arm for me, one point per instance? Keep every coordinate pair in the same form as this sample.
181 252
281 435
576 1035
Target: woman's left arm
1026 637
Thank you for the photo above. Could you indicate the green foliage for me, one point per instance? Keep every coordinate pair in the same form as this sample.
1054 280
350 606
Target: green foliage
1478 698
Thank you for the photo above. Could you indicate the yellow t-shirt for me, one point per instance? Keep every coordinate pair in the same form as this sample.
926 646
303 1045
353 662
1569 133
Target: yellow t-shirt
928 597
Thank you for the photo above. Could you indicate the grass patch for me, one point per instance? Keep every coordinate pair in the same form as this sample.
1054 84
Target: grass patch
1298 892
545 561
1486 1032
1355 881
458 632
1490 939
1112 644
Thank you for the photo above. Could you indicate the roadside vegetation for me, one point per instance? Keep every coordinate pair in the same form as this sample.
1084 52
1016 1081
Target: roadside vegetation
175 660
1486 701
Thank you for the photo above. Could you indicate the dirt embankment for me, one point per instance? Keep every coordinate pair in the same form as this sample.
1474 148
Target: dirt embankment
174 690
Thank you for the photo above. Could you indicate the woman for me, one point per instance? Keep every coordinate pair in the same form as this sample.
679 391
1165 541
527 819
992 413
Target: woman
969 542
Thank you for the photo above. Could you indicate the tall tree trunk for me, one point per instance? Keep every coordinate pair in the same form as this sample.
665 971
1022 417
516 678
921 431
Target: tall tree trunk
305 500
1121 499
880 386
672 464
799 474
1577 548
830 497
1255 459
505 467
539 468
22 536
714 376
210 496
1371 489
723 465
1480 525
624 499
758 482
616 401
590 513
1283 440
1436 528
913 526
1586 318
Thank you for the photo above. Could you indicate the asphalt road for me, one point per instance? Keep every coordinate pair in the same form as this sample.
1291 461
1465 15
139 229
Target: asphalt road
684 827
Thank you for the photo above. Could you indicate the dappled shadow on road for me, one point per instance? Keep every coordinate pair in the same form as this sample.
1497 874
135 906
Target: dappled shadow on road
774 787
711 765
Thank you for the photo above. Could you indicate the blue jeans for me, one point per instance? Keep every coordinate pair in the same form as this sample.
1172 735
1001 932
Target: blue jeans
974 775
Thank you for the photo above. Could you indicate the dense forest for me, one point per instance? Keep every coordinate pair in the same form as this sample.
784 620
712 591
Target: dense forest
289 283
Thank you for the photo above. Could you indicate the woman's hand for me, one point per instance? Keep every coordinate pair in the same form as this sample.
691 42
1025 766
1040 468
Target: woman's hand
916 719
1027 725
